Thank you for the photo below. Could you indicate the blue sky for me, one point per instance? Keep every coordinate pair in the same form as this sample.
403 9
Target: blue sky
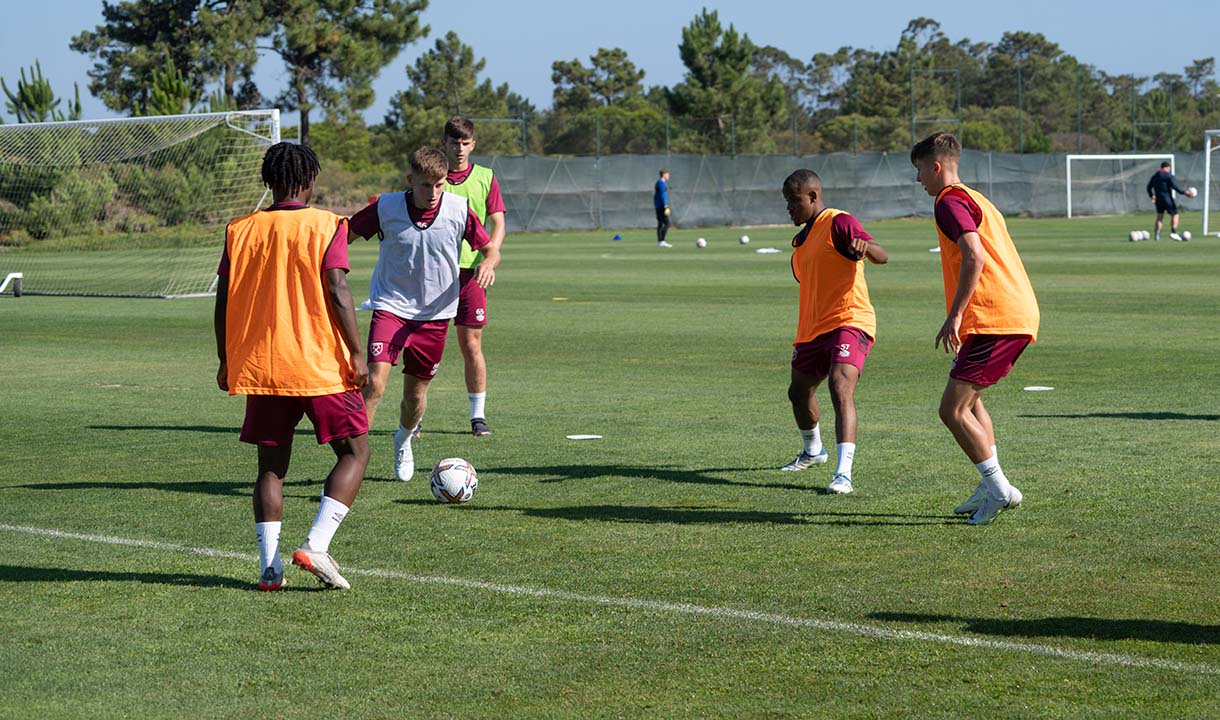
521 39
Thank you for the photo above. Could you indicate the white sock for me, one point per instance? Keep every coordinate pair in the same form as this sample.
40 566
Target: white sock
477 400
268 534
995 454
330 513
847 453
993 477
812 440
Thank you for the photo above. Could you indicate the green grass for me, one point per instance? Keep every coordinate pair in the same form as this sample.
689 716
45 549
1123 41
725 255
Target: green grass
113 427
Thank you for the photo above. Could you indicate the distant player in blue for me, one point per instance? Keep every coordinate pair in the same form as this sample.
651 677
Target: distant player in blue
1161 188
660 200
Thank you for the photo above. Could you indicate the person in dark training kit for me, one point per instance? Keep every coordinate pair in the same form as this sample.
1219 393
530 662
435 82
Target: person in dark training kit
1160 189
660 200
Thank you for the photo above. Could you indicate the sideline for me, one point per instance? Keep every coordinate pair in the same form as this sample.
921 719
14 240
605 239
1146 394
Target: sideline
859 629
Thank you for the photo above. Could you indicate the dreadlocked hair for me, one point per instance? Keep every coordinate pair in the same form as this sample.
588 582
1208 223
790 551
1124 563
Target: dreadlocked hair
289 168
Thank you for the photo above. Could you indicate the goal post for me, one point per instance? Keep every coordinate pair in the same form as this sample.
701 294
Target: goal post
132 207
1211 143
1115 182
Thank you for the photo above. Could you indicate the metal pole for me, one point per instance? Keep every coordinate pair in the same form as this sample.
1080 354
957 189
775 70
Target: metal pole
912 93
1020 113
796 151
1079 112
1134 120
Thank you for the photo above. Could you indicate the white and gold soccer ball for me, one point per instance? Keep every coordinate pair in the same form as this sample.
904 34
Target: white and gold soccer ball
1185 234
1134 236
1192 191
745 240
700 243
453 481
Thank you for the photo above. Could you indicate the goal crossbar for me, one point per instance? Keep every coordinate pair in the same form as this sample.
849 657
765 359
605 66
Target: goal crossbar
1112 156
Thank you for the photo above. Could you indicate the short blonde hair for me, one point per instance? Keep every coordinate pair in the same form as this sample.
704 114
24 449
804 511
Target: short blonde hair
429 164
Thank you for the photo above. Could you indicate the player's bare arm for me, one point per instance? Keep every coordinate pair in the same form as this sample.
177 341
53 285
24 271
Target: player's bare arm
485 273
343 310
486 276
870 250
967 280
218 323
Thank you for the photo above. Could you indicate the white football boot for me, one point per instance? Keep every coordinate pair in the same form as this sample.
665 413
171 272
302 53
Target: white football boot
805 460
404 457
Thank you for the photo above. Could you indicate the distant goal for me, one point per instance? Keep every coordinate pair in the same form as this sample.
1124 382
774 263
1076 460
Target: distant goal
131 207
1211 184
1110 184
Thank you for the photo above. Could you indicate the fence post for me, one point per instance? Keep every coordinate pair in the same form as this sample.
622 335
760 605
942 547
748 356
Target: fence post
597 135
524 143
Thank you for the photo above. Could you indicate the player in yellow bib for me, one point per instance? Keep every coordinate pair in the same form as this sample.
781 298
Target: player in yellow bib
478 185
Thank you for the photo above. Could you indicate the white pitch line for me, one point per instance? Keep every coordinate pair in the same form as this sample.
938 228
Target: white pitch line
660 606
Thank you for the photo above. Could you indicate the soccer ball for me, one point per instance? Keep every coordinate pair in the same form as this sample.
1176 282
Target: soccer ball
745 240
1185 234
1145 235
1135 236
453 480
700 243
1191 192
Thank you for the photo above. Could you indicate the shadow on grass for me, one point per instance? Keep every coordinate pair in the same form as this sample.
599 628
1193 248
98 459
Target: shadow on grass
1077 627
701 476
200 487
235 431
1130 416
19 573
703 515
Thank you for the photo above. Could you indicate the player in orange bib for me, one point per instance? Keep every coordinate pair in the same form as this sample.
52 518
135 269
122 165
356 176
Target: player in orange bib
836 325
286 338
992 315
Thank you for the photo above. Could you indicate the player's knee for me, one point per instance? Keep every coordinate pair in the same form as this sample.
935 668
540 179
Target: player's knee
795 396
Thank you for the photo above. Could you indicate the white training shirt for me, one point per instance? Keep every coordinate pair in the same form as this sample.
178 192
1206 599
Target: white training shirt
416 276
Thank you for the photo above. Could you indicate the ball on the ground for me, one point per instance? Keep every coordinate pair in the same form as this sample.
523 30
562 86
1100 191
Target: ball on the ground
700 243
745 240
1133 236
1145 235
1192 191
453 480
1185 234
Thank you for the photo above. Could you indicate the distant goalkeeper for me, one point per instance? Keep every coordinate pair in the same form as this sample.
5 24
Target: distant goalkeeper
1160 190
660 200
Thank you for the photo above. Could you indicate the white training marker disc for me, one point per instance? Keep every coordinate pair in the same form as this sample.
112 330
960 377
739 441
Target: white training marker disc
1038 388
584 437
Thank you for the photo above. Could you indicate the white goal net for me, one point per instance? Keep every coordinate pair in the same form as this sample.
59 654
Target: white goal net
127 207
1111 184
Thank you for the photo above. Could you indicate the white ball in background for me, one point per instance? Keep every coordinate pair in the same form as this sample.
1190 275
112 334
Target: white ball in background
700 243
745 240
1133 236
1185 234
1192 191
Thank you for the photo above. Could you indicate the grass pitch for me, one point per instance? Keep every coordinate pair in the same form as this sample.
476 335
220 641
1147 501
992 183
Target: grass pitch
667 570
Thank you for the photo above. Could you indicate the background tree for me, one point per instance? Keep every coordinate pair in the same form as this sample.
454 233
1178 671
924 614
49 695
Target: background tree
170 94
133 41
602 108
444 81
35 101
334 48
724 103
